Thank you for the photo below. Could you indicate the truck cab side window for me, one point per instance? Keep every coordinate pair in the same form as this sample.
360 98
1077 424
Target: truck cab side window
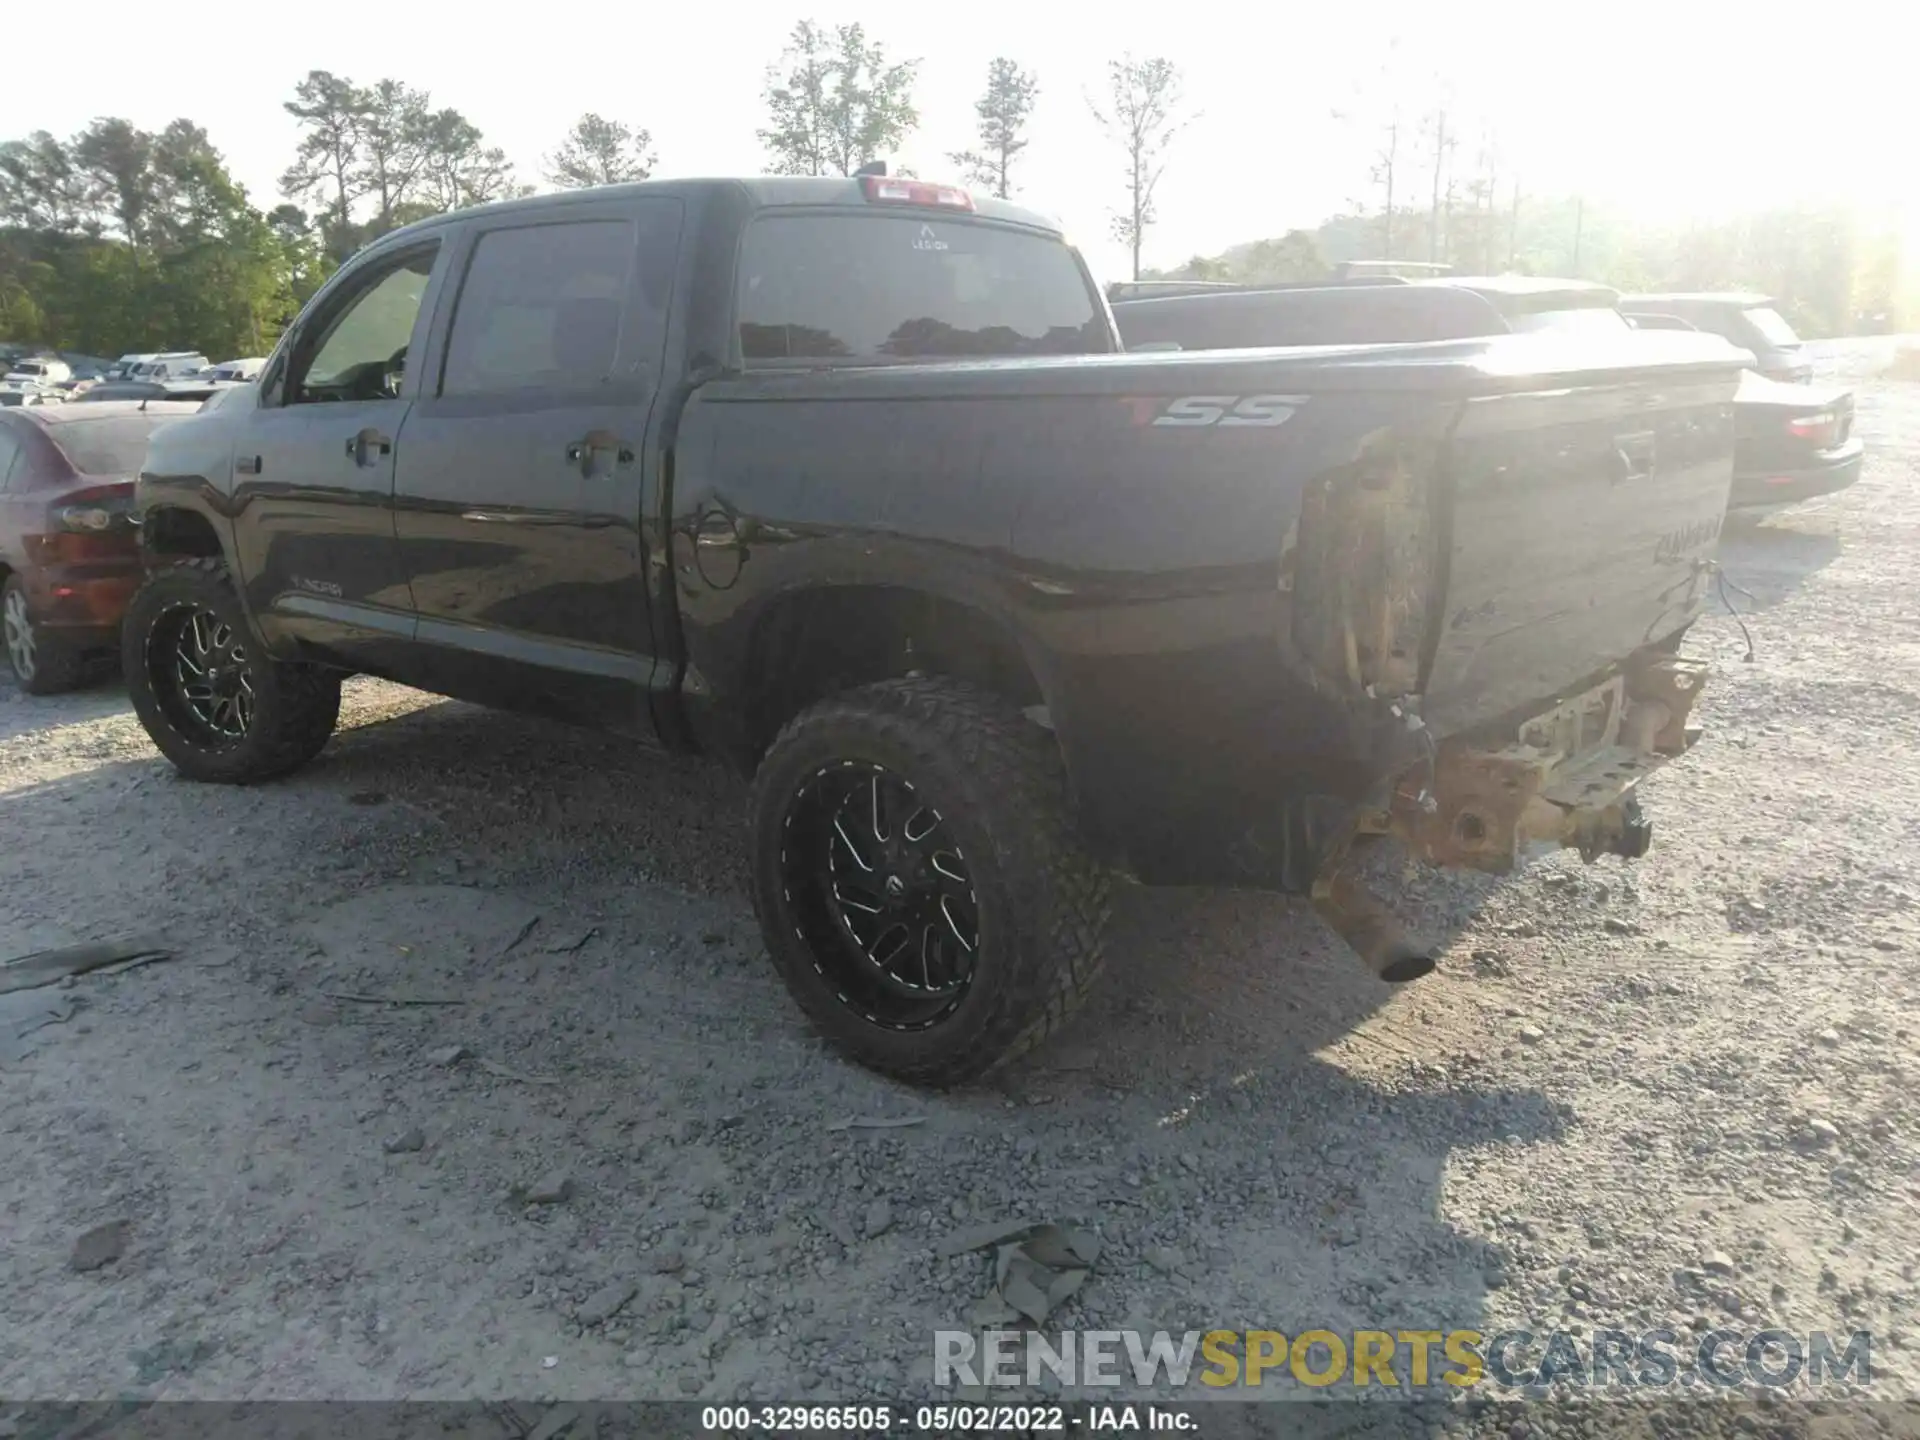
540 309
360 352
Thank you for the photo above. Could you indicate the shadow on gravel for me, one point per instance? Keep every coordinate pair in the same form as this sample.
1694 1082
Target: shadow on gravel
1772 557
1208 1032
1244 1176
21 714
1202 990
1201 986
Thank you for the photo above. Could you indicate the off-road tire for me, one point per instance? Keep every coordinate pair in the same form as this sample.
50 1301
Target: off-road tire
1043 903
57 666
295 706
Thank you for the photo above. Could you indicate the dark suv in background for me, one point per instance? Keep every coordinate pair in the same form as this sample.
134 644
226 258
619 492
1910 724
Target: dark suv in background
1749 321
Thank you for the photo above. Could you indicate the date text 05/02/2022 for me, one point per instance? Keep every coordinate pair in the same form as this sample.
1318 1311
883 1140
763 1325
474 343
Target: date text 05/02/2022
943 1419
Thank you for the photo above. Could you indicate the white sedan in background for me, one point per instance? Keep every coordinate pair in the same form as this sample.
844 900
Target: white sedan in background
234 372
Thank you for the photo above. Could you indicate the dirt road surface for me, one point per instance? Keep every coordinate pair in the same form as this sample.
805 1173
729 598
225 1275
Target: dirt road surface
604 1162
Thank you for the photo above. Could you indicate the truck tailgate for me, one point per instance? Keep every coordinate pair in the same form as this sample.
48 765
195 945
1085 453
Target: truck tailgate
1579 523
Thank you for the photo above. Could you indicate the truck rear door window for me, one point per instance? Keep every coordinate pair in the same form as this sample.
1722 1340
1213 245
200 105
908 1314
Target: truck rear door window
564 306
876 288
540 308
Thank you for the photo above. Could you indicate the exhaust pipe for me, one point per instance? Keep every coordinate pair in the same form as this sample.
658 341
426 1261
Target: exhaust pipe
1371 930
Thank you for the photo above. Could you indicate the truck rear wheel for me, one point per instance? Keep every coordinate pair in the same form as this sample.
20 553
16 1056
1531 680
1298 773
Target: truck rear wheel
918 879
218 706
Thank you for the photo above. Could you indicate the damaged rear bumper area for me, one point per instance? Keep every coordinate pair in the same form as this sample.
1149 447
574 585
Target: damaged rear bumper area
1562 779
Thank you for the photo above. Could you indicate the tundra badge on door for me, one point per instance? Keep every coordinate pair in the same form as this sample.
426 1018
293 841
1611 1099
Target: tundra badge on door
1677 545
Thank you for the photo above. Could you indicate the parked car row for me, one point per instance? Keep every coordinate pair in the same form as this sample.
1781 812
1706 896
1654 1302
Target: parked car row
1794 439
161 365
47 379
194 388
35 380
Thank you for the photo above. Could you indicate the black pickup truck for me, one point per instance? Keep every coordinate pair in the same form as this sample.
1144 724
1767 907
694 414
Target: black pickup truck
848 483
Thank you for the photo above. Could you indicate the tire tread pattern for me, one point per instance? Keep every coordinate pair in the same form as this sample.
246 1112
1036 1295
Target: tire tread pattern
1060 896
299 715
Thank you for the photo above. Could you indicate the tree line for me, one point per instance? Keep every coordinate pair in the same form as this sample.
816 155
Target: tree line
116 239
1831 270
1438 188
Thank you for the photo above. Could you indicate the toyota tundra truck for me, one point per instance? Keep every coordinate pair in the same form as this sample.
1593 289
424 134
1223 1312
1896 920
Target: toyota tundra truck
849 483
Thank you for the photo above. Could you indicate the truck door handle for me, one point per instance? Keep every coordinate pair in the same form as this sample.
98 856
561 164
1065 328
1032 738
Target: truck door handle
368 442
582 451
247 465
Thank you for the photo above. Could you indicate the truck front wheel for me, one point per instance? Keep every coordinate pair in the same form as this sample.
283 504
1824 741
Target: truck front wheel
216 704
918 879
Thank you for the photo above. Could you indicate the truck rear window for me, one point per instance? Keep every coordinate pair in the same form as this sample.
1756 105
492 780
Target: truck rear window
876 288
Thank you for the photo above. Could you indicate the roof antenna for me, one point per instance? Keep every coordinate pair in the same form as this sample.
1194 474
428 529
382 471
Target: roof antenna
872 167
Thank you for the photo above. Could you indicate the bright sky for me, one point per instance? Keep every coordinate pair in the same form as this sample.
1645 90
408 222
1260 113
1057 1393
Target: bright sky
1670 108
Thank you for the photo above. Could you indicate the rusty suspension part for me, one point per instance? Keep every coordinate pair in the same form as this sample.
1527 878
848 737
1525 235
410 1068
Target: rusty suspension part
1566 782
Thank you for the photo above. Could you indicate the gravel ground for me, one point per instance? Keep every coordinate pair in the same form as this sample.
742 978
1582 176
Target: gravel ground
1677 1093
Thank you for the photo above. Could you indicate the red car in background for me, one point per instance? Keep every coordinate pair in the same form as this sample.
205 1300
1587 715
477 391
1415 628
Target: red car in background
69 553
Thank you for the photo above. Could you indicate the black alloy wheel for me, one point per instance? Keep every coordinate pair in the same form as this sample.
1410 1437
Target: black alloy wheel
880 886
198 669
918 879
207 692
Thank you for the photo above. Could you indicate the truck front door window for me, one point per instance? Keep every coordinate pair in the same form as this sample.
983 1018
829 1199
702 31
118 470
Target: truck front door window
361 353
871 287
